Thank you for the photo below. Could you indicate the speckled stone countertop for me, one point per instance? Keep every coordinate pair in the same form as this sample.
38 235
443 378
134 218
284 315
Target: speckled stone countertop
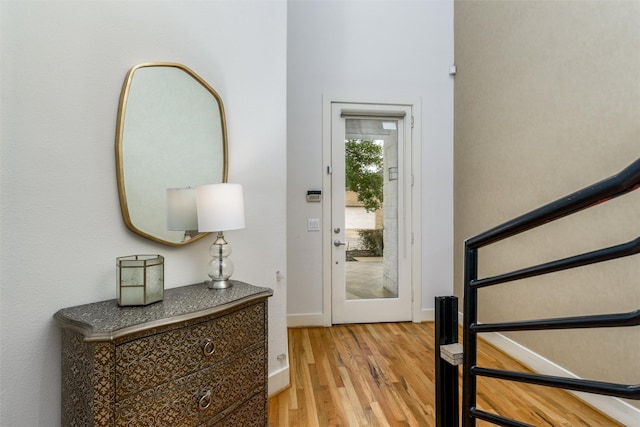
106 320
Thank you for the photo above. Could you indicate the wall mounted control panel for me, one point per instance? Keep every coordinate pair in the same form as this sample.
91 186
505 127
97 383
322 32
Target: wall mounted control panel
314 196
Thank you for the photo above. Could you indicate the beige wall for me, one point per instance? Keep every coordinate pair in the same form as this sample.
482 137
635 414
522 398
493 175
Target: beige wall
547 101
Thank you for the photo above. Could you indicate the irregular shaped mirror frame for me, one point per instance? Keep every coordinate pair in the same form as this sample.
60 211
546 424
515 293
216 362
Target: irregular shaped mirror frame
125 202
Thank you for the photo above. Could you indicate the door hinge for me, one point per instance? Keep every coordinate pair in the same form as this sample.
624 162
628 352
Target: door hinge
411 122
412 237
412 180
329 170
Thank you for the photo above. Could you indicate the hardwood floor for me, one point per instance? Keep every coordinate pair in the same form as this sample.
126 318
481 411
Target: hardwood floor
382 375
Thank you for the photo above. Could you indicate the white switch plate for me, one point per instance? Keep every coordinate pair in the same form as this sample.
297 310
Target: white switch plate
313 224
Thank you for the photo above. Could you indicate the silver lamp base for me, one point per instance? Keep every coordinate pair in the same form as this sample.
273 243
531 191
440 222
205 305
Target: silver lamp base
218 284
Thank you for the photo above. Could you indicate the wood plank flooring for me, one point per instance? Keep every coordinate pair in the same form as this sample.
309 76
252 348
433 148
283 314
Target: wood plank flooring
383 375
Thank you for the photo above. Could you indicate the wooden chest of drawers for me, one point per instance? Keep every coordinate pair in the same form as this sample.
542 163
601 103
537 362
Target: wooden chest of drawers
198 358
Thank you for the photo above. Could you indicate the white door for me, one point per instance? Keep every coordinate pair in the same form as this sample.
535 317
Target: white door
370 213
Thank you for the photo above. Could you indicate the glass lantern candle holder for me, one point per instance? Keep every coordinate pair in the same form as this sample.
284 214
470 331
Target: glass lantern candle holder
140 279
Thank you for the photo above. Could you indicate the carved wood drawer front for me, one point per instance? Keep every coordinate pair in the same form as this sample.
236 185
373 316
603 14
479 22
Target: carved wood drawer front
197 398
250 413
157 359
198 358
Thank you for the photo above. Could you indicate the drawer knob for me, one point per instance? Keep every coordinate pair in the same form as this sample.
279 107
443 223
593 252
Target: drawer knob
205 400
209 348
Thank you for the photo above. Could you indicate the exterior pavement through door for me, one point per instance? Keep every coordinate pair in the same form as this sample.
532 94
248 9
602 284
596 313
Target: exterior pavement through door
364 279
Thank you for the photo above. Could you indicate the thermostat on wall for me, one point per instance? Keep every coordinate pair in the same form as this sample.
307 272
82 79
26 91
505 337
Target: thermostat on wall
314 195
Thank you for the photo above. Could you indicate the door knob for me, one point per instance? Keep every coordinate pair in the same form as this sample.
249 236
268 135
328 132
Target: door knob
337 242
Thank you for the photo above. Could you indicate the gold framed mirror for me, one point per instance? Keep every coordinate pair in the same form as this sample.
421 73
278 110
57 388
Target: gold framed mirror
170 134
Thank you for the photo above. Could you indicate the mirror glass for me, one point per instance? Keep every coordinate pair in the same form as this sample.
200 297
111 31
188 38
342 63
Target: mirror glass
171 133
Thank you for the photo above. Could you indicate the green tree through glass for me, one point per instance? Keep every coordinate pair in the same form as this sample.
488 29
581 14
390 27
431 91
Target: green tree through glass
363 169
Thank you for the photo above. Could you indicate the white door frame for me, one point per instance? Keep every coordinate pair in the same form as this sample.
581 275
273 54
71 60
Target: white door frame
416 264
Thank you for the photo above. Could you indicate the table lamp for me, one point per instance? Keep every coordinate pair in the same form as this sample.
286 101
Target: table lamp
220 208
181 211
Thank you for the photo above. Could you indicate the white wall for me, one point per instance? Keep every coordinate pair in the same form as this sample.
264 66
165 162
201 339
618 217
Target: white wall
63 64
385 49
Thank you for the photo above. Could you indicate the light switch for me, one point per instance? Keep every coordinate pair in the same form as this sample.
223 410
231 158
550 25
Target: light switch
313 224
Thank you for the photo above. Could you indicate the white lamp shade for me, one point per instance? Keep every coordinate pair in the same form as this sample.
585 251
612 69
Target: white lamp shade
181 209
220 207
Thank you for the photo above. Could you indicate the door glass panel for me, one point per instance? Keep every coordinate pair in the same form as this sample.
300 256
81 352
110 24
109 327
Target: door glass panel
371 208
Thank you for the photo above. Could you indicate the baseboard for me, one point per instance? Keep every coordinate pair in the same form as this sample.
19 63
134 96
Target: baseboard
304 320
615 408
279 381
308 320
426 315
